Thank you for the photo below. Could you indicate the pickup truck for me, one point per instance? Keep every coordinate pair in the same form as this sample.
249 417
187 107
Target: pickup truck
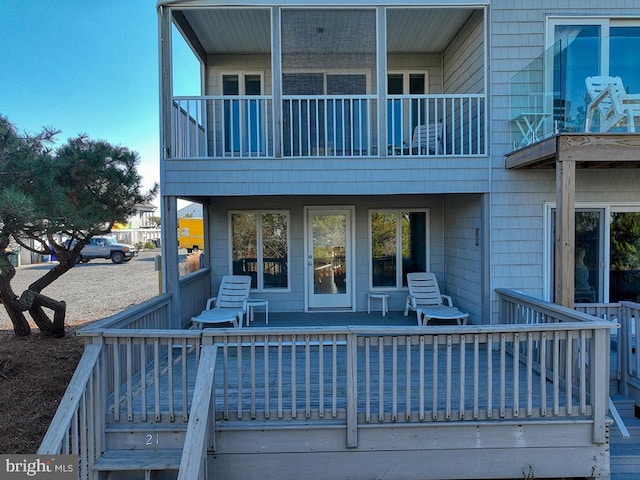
109 248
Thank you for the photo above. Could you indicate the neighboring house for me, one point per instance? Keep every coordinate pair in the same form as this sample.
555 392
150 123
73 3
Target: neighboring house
334 148
140 227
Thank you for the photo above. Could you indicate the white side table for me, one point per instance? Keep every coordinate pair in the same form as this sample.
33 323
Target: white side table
382 296
257 302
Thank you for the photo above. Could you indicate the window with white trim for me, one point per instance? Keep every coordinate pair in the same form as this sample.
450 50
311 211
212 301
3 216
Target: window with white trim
590 46
260 248
399 244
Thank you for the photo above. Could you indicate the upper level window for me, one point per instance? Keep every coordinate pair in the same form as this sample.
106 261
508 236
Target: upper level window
399 245
585 47
404 112
260 248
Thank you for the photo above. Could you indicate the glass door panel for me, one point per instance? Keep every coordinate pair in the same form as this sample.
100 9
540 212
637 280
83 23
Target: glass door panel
624 275
589 247
328 255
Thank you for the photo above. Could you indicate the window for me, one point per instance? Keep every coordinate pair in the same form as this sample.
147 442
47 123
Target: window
334 125
243 123
399 245
260 248
607 256
405 108
585 47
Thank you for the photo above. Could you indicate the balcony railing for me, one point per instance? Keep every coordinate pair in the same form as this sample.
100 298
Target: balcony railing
328 126
550 95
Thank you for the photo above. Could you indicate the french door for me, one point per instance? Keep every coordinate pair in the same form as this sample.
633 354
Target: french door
607 262
329 245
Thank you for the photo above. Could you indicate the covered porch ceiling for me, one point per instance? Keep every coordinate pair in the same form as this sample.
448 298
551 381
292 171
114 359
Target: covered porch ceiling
248 30
565 153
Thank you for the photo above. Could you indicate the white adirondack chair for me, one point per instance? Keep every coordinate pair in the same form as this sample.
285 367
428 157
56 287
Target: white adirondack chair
615 107
229 306
427 301
427 139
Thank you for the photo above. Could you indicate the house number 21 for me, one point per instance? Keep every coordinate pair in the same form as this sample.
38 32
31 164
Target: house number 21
150 439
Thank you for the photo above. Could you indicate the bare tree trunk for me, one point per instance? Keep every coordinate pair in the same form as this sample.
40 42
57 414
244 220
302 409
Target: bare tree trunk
36 302
8 298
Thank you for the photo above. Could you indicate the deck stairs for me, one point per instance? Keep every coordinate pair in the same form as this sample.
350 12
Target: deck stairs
145 451
625 451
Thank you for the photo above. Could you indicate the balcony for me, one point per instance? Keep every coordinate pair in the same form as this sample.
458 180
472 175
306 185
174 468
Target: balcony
285 82
327 126
556 115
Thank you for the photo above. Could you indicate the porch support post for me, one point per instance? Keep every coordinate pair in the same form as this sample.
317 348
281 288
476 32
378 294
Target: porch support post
381 60
170 272
276 79
164 54
565 227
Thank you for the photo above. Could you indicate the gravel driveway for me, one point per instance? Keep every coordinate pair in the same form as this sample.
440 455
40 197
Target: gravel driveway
93 290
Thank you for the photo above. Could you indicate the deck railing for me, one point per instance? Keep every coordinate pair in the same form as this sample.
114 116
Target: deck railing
78 425
627 316
543 362
243 126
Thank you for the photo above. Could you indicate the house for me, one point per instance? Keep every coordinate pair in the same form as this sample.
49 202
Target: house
336 147
141 227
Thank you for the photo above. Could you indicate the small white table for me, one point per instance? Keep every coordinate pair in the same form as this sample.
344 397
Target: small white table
257 302
382 296
529 124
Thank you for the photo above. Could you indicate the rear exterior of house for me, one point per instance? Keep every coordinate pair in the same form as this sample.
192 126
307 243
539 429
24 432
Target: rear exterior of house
304 151
335 148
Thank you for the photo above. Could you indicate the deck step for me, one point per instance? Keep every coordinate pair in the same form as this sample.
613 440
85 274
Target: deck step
132 436
625 458
142 461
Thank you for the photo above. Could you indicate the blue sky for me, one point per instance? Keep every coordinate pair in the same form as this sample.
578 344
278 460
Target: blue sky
87 66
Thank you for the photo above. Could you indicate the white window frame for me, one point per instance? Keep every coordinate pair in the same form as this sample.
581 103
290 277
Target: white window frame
259 247
241 80
548 241
399 271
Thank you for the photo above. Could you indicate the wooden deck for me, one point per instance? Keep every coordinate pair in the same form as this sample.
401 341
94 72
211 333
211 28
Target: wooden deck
395 379
346 395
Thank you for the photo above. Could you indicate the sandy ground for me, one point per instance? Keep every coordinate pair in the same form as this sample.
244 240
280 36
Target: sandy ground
93 290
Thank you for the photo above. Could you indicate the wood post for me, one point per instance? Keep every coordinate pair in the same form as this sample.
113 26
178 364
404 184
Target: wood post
565 228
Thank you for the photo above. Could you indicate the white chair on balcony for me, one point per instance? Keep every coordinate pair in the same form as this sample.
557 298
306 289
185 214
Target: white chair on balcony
427 139
230 306
615 107
427 301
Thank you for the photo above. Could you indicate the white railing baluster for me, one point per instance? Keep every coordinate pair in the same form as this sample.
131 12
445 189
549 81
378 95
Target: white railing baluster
267 383
489 375
516 374
408 379
463 351
421 382
367 379
448 381
252 375
307 375
503 375
381 379
394 379
434 379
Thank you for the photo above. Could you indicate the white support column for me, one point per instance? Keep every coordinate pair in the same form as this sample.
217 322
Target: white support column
381 58
170 270
276 79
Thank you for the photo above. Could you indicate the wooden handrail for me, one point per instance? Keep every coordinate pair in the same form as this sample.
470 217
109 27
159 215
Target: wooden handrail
195 453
